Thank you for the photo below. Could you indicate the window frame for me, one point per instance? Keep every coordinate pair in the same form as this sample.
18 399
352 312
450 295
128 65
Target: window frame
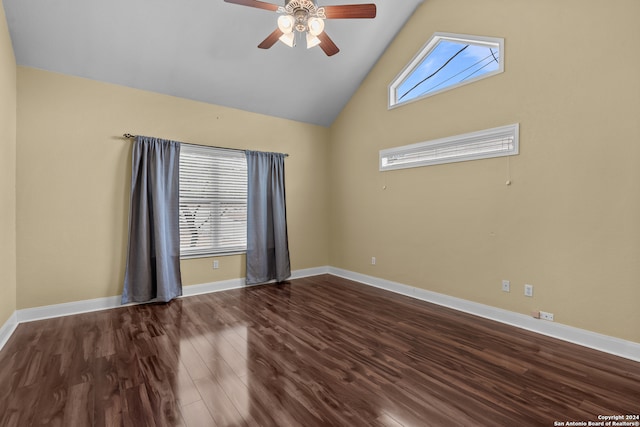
213 152
431 44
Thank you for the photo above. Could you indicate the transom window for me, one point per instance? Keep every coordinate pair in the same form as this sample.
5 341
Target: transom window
447 61
484 144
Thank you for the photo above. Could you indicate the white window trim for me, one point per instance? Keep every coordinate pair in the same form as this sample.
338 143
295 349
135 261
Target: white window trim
426 50
506 138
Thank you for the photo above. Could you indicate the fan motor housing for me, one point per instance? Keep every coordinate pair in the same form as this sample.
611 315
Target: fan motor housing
301 16
302 10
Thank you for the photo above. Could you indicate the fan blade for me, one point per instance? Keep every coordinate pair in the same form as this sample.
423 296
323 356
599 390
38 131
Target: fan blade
255 3
327 45
271 39
350 11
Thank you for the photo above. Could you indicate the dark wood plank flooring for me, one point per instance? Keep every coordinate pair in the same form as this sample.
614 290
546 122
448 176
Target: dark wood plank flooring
320 351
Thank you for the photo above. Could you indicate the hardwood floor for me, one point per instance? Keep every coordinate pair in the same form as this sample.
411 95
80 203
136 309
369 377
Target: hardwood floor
320 351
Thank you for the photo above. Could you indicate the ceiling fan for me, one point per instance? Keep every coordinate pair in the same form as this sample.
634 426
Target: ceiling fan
304 16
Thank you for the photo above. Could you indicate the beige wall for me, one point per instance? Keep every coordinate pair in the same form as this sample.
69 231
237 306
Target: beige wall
570 222
7 173
73 173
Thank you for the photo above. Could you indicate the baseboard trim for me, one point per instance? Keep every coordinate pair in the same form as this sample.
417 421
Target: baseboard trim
309 272
7 329
106 303
67 309
207 288
627 349
616 346
226 285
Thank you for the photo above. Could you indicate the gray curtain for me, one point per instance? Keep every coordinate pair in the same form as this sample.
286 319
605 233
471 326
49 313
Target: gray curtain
267 242
153 258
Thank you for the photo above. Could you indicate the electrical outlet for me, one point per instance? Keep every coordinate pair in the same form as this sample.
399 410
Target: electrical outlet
546 316
215 264
373 260
528 290
506 286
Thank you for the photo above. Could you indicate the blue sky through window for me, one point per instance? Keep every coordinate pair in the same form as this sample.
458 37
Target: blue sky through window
449 63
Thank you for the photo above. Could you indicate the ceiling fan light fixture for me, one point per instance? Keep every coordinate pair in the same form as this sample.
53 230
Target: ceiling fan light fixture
285 23
312 41
316 26
288 39
304 16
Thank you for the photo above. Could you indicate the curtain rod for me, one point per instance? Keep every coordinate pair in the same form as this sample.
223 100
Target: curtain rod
129 136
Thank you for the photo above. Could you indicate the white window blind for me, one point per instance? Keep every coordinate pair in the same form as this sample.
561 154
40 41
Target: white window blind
213 201
496 142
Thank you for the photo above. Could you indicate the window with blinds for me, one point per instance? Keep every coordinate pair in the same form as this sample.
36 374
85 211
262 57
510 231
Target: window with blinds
496 142
213 201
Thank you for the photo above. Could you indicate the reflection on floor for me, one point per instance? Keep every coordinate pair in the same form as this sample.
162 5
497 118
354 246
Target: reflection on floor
319 351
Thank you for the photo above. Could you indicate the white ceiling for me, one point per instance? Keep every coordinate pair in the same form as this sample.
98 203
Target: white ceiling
205 50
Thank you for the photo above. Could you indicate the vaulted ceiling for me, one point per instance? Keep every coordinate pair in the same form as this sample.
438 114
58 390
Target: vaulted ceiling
204 50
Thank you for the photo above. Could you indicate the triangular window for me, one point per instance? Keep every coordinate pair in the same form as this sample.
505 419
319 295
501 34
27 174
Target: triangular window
447 61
